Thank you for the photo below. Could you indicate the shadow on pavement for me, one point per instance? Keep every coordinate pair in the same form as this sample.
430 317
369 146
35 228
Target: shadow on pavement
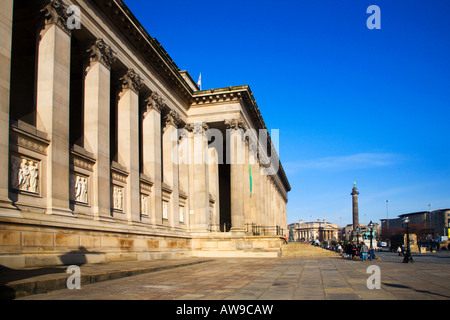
9 275
401 286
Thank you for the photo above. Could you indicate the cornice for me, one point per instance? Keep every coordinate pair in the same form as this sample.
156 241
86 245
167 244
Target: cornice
123 19
154 55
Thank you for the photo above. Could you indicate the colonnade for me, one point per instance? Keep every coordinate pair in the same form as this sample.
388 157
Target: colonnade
124 168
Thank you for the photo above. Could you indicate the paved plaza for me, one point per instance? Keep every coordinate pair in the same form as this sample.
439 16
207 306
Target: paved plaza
327 278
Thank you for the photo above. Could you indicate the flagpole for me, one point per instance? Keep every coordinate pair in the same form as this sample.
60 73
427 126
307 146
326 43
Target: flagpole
199 82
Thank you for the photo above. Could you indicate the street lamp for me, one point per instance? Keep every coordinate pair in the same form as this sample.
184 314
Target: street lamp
371 225
387 219
357 235
407 258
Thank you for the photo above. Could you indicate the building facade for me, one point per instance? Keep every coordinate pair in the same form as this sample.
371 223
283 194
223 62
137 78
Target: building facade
316 230
432 223
108 151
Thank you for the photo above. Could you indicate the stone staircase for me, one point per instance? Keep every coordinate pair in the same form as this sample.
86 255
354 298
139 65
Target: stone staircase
300 250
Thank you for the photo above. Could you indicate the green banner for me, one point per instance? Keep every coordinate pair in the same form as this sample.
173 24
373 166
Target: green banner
251 184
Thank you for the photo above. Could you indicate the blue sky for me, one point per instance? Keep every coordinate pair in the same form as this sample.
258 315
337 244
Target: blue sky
351 104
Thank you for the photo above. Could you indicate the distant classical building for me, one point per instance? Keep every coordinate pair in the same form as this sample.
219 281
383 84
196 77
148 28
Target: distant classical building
319 230
108 151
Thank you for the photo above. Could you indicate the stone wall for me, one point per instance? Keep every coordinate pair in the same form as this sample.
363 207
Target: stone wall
28 245
228 245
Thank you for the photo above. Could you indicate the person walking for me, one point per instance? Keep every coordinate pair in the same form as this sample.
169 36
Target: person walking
371 253
364 251
354 249
348 250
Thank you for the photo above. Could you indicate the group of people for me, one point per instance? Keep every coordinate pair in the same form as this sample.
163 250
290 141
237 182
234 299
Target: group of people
352 250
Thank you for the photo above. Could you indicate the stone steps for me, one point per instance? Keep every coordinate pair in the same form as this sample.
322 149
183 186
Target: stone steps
305 250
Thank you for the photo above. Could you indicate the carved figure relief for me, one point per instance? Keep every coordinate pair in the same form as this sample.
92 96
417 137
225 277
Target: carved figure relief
181 213
165 208
118 198
24 174
81 189
144 204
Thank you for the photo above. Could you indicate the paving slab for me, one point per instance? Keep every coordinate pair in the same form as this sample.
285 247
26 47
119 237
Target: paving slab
16 283
328 278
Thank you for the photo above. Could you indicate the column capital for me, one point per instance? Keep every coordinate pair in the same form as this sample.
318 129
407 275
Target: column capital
172 118
55 13
189 127
200 128
131 80
235 124
253 146
101 52
154 102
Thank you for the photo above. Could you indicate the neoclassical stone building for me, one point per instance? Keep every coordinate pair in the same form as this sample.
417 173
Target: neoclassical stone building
320 230
108 151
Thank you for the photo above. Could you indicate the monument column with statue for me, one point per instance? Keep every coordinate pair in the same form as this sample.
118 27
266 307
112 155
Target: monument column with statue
354 195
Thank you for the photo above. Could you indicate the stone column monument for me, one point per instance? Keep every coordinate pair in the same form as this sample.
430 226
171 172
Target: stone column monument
354 195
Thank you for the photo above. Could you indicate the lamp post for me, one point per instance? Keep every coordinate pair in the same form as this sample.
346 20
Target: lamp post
387 219
357 235
407 258
371 251
370 225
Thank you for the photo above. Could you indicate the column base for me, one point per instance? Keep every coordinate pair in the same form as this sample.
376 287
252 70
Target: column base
238 231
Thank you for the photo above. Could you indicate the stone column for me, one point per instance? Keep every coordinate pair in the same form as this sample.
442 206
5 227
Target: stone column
271 203
246 194
128 141
255 196
96 123
201 179
52 107
262 194
354 195
184 156
213 174
266 200
151 145
236 154
6 17
170 163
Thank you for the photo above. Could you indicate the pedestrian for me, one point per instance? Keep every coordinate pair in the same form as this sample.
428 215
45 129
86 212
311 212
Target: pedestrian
371 253
354 249
348 250
364 251
399 251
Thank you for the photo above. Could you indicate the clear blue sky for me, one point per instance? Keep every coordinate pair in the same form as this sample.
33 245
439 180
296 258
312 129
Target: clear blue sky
351 104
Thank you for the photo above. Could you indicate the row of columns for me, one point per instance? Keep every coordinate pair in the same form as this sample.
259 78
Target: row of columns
255 198
322 234
262 205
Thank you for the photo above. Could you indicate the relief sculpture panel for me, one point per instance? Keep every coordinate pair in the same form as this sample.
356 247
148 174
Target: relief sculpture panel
24 174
